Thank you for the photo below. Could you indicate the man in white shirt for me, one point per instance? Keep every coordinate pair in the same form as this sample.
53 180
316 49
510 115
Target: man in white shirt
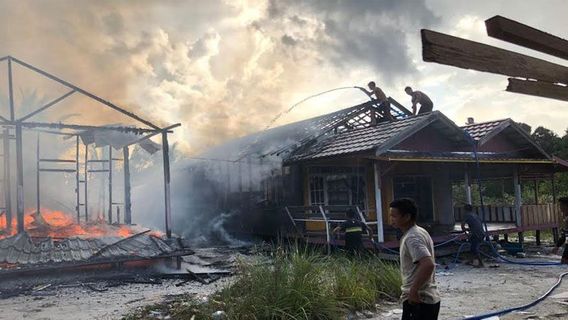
420 297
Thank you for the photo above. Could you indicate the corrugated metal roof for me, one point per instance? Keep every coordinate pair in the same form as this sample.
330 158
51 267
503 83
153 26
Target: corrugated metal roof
357 140
478 130
21 250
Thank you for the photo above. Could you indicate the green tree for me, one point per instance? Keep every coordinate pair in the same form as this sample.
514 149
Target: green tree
548 140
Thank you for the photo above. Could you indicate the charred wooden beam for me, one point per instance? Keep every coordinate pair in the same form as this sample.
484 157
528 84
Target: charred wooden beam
7 178
77 180
19 180
538 88
84 92
109 184
167 179
445 49
514 32
127 197
45 107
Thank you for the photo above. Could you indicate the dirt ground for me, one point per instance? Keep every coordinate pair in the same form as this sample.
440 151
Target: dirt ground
468 291
465 291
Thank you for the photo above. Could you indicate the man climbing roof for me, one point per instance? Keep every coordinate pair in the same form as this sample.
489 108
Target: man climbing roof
420 97
380 97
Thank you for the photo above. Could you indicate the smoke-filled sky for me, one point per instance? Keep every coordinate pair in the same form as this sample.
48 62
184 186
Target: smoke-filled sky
225 68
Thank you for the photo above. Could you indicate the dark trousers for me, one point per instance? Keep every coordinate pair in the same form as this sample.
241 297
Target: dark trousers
422 311
475 243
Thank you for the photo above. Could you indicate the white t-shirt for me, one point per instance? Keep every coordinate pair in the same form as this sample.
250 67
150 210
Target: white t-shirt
416 244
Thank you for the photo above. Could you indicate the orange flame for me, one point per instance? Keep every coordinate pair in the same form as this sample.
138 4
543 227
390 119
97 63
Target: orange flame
57 224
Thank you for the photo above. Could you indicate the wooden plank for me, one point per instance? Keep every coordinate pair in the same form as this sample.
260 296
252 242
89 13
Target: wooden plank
445 49
520 34
538 88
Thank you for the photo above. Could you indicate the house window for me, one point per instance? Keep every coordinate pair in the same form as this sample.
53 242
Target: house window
317 191
337 186
418 188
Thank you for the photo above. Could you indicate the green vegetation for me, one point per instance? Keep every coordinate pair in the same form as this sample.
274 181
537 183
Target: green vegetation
298 284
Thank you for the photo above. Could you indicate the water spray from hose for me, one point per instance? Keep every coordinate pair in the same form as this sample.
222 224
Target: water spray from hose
278 116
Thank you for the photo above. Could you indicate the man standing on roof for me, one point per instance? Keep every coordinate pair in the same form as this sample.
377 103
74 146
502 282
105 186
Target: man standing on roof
475 232
563 230
426 104
380 98
353 229
420 297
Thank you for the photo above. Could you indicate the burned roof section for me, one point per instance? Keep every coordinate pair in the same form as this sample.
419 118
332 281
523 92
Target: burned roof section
24 252
378 139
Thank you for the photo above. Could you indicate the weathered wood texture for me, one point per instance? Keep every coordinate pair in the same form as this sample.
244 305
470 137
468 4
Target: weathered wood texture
514 32
454 51
538 88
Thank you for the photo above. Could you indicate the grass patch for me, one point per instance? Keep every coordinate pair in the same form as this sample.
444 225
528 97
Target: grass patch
298 284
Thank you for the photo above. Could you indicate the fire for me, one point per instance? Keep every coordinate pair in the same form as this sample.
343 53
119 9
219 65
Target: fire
58 224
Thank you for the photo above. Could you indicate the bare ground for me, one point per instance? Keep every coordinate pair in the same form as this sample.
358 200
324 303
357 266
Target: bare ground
465 291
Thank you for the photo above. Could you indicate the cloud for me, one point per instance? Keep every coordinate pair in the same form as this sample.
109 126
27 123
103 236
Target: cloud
226 68
222 68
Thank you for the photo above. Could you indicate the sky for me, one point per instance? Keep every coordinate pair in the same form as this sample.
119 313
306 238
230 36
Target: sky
226 68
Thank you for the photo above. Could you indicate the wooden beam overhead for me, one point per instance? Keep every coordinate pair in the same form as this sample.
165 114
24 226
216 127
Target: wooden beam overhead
538 88
520 34
445 49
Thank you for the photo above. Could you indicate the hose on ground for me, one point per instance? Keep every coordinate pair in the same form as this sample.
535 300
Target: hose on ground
522 307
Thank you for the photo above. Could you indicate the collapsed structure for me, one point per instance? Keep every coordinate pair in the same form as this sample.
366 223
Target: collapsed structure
321 166
36 237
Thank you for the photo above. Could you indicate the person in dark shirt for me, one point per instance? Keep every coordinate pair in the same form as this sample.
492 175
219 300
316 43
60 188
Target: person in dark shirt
563 230
353 229
475 232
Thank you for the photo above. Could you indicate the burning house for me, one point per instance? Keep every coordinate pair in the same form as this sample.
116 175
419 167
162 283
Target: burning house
300 178
73 158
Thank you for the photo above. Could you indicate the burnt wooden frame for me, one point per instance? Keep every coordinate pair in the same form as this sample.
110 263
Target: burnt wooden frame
19 124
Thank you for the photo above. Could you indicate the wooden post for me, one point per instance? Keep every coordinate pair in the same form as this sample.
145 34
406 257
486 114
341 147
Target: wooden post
11 92
109 184
166 160
555 233
77 181
518 200
378 201
7 179
537 232
19 179
467 181
127 198
38 205
86 182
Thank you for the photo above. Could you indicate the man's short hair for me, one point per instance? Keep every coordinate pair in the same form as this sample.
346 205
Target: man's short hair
350 213
468 207
372 83
406 207
563 200
407 88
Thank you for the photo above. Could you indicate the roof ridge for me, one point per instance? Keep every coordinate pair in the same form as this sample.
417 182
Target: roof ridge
486 122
